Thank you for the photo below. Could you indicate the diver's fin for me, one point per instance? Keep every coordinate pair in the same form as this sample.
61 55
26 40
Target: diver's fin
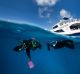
30 64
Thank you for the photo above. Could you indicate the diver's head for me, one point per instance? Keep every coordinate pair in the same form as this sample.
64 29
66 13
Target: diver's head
53 43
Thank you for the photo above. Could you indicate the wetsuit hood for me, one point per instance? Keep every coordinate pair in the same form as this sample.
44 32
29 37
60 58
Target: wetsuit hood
54 43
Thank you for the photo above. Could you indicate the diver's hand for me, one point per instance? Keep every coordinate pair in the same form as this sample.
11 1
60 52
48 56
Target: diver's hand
39 46
30 64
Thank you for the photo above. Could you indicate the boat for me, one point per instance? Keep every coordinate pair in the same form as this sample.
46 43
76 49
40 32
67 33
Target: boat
67 26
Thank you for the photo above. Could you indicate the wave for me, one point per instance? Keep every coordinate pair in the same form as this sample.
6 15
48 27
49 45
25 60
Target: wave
23 31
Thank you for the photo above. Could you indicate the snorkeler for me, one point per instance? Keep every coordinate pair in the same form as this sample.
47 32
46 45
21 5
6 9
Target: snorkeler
61 44
31 44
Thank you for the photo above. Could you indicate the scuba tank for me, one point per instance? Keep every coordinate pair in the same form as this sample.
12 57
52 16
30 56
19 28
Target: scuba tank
35 44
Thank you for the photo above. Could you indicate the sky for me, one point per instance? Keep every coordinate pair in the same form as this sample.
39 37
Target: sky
44 13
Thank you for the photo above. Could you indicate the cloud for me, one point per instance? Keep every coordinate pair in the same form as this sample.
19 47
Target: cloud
45 7
65 13
44 12
46 2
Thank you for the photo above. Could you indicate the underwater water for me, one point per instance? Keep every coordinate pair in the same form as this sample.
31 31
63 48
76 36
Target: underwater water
61 61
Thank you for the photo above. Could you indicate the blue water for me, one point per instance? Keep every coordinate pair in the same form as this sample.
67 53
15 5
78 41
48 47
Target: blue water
62 61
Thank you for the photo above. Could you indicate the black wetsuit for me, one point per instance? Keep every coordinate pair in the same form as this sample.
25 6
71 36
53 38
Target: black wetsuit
61 44
28 45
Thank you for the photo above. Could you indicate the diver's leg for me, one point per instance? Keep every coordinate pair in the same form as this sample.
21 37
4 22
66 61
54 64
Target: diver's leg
69 44
28 53
30 63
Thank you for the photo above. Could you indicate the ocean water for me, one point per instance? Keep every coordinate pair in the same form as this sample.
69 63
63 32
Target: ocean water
61 61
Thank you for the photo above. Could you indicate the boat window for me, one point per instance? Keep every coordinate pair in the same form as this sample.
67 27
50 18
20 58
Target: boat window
60 30
61 23
55 27
75 26
65 18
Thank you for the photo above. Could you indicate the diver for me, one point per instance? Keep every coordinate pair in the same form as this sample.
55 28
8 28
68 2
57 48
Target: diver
31 44
61 44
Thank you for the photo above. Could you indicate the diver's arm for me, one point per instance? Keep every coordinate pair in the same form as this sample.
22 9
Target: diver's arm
18 48
48 46
39 46
28 53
